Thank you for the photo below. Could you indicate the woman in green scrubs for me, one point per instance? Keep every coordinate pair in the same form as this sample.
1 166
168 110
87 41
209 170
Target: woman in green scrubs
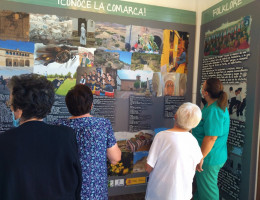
212 134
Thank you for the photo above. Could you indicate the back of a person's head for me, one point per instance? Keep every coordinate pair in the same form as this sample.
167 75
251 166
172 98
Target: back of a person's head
188 116
216 91
33 94
79 100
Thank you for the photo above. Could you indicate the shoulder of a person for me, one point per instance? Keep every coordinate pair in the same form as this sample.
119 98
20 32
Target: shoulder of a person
104 120
192 138
61 129
215 109
57 122
8 133
162 135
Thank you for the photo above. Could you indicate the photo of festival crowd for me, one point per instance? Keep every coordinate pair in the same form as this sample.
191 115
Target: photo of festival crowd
143 39
228 38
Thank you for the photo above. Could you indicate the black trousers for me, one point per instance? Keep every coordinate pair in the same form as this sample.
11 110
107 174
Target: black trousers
231 105
242 107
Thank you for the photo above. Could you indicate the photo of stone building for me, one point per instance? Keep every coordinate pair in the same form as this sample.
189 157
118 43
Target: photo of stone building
16 58
128 84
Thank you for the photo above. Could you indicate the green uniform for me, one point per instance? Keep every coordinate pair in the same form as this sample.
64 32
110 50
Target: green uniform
215 122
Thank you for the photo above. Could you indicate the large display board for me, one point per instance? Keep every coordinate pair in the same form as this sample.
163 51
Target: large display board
229 52
139 75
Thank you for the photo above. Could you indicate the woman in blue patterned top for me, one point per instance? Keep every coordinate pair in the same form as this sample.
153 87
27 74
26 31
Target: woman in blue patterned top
96 142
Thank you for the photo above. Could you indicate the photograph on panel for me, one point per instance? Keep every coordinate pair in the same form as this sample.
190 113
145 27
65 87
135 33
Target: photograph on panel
110 36
140 160
143 39
50 29
83 32
113 59
139 82
59 64
230 37
236 100
182 84
102 81
175 51
174 84
17 57
147 62
86 57
157 84
123 167
134 141
14 26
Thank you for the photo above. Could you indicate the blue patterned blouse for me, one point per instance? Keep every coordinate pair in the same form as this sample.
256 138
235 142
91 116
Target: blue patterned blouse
94 136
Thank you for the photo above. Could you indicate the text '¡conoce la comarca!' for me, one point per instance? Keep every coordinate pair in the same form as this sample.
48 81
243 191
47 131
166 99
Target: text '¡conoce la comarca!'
100 6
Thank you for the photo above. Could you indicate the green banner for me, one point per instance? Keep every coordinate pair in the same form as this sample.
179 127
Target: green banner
121 8
223 8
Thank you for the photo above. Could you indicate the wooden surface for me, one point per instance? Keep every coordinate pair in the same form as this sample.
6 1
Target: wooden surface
138 196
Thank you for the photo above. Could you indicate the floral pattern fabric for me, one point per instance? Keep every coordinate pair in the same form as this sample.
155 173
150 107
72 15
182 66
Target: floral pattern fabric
94 136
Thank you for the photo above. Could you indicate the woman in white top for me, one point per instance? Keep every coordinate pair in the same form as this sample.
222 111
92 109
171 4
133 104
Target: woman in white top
173 157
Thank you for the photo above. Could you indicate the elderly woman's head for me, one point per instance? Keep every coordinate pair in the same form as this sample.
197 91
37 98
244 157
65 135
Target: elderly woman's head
188 116
79 100
31 96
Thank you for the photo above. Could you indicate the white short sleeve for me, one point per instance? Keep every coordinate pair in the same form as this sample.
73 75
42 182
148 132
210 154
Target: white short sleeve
154 151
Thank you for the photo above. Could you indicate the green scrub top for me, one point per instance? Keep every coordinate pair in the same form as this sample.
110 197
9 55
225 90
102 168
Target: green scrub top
214 122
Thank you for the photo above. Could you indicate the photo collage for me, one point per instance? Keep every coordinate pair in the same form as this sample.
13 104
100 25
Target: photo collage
113 60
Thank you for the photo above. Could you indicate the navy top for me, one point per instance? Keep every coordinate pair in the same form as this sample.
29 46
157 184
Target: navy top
94 136
39 161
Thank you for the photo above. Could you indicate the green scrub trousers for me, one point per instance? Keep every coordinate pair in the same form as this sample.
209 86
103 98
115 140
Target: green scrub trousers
207 183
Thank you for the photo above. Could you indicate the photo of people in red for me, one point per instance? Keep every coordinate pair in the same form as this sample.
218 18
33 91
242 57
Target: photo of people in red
101 82
228 38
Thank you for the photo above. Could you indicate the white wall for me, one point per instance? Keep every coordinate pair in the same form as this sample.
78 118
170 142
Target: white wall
201 5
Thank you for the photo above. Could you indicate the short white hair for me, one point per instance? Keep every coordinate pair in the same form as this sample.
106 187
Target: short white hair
188 116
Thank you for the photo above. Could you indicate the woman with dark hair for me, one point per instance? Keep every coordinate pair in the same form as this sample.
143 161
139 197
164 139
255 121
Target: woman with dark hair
96 142
212 134
37 160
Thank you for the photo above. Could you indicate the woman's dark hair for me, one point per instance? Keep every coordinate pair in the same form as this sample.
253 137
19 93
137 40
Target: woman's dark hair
215 89
33 94
79 100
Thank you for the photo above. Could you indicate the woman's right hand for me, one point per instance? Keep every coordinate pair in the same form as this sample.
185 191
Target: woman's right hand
199 166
